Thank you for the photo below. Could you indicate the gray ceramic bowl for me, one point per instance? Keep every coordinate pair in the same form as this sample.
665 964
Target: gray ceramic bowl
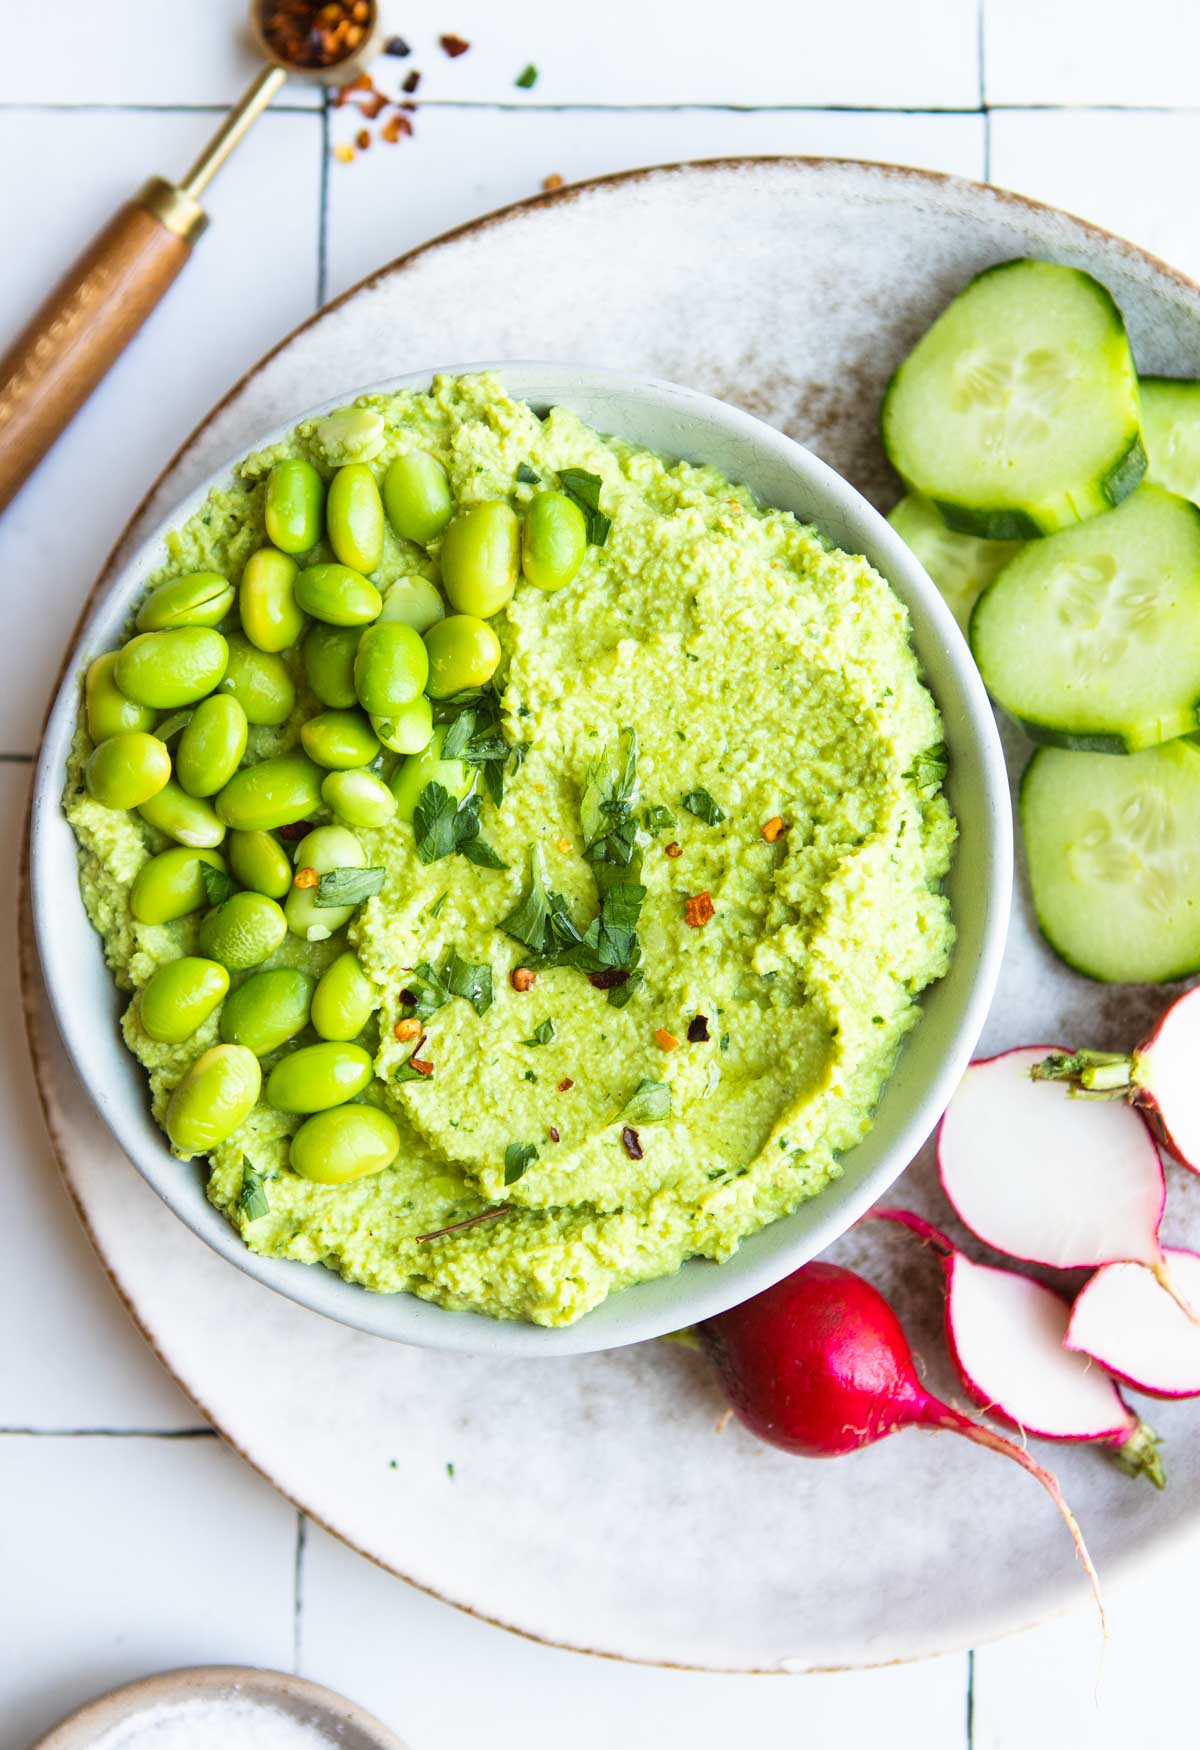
680 423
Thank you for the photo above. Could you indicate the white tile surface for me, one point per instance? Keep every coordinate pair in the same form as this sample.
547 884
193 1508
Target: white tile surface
460 163
700 51
254 275
127 54
71 1355
1091 51
404 1655
122 1557
1094 163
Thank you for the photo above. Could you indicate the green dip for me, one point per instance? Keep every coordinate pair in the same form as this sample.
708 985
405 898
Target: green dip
754 662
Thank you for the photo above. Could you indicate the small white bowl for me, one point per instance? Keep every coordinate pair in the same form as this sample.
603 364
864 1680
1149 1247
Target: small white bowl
679 423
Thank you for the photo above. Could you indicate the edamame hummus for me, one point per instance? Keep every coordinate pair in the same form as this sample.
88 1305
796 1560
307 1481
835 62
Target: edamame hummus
618 859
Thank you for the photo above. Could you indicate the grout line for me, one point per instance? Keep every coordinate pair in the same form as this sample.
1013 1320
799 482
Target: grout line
970 1745
981 50
930 109
987 145
298 1590
111 1433
323 207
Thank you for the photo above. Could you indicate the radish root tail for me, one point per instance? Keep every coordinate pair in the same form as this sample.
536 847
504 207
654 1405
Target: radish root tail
1163 1277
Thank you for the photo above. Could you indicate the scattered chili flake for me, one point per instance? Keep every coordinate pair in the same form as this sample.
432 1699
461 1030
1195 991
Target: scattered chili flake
664 1040
409 998
554 1136
299 829
631 1142
315 33
522 978
610 979
698 1030
674 849
565 1086
362 139
564 846
527 78
471 1221
454 46
699 909
773 828
306 877
422 1065
408 1029
344 93
344 154
396 45
394 126
411 82
371 106
550 183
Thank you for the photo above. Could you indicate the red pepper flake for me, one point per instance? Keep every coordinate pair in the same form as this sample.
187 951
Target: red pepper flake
631 1142
407 1029
699 909
411 82
394 126
344 93
454 46
422 1065
471 1221
774 827
314 33
371 106
554 1136
396 45
664 1040
565 1086
610 979
674 849
298 829
344 154
522 978
550 183
408 999
362 139
698 1030
306 878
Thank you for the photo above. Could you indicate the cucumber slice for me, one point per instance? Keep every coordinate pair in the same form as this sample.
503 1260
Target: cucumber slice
962 566
1017 413
1091 638
1114 860
1171 432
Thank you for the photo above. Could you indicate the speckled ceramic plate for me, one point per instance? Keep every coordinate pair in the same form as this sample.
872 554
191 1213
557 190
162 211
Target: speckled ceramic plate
593 1502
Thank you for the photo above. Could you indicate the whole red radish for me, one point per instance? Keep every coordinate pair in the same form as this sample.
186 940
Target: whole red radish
1159 1077
819 1365
1006 1335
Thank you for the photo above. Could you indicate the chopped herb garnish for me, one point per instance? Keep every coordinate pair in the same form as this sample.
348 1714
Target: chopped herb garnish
471 1221
455 978
436 908
606 811
701 804
618 998
584 489
458 735
479 852
542 1034
527 78
631 1142
649 1102
450 1470
404 1072
929 768
348 886
443 826
724 1042
252 1198
518 1156
697 1030
659 819
218 886
527 477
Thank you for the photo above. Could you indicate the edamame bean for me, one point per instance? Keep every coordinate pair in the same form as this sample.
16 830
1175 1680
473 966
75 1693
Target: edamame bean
211 746
171 885
553 541
295 501
268 1009
341 739
338 595
202 598
107 709
272 794
170 669
189 819
390 668
414 773
179 997
416 493
127 770
267 600
347 1142
359 797
344 1000
260 863
408 729
480 552
318 1076
329 664
242 932
415 602
354 517
260 683
350 434
323 849
463 652
218 1093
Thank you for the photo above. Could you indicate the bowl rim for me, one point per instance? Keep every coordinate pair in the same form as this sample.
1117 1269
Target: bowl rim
420 1322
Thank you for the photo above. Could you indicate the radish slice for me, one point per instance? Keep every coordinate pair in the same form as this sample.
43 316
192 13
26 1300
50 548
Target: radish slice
1070 1183
1005 1333
1163 1073
1124 1321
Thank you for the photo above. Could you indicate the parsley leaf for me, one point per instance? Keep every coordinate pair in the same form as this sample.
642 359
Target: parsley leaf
252 1198
542 1034
443 826
458 735
701 804
649 1101
658 818
606 811
518 1156
525 473
455 978
217 884
348 886
584 490
929 768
